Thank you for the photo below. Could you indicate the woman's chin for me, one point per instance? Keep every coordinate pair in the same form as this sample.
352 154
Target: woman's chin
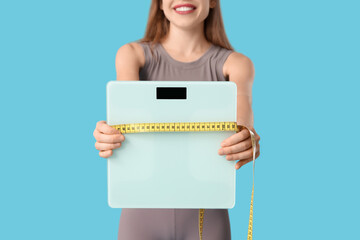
185 25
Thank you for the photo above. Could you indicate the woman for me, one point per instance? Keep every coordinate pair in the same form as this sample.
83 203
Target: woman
184 41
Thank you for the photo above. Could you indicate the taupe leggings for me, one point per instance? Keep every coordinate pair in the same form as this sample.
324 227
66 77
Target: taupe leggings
173 224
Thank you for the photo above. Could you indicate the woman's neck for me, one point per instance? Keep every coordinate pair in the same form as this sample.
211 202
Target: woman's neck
186 43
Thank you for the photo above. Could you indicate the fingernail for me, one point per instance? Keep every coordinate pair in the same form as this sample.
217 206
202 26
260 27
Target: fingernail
223 144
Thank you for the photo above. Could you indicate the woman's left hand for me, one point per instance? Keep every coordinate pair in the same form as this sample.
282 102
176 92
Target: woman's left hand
239 147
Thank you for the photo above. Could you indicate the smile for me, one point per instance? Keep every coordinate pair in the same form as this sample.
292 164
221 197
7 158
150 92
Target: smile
184 8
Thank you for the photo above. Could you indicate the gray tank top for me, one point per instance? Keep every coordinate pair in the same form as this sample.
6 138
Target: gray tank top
209 67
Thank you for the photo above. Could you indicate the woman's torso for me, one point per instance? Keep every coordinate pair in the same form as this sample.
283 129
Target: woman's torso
180 224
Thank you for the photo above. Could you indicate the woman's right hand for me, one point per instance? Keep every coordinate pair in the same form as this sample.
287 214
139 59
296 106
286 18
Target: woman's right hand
107 139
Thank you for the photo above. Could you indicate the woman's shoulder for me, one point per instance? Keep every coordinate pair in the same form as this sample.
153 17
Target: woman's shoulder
239 66
131 53
129 59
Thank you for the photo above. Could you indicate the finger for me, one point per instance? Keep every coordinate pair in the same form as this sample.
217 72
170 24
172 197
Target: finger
105 138
105 154
257 137
103 127
257 150
106 146
236 138
239 147
241 163
240 155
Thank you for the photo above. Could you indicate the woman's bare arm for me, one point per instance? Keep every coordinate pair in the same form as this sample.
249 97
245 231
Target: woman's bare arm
240 70
128 61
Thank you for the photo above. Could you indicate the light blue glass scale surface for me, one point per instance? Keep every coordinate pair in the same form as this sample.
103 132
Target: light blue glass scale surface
171 169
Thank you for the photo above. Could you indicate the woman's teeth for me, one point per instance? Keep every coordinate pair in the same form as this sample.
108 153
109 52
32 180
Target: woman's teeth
183 9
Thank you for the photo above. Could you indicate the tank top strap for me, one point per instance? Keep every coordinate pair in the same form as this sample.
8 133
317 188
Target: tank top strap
221 58
148 55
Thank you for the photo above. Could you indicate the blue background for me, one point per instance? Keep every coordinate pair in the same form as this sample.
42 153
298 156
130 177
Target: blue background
57 56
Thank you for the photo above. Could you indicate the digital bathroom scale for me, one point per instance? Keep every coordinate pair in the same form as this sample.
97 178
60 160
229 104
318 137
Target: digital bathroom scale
171 169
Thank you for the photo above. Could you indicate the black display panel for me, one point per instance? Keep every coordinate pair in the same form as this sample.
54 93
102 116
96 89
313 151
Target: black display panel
171 93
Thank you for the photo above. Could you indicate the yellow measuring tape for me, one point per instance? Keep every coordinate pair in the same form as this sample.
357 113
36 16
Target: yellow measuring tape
195 126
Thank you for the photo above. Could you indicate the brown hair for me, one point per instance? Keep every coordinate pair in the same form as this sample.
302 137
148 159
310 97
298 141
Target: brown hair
158 26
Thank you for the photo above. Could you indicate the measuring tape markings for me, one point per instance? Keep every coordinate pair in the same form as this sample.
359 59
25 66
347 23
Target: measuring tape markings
196 126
